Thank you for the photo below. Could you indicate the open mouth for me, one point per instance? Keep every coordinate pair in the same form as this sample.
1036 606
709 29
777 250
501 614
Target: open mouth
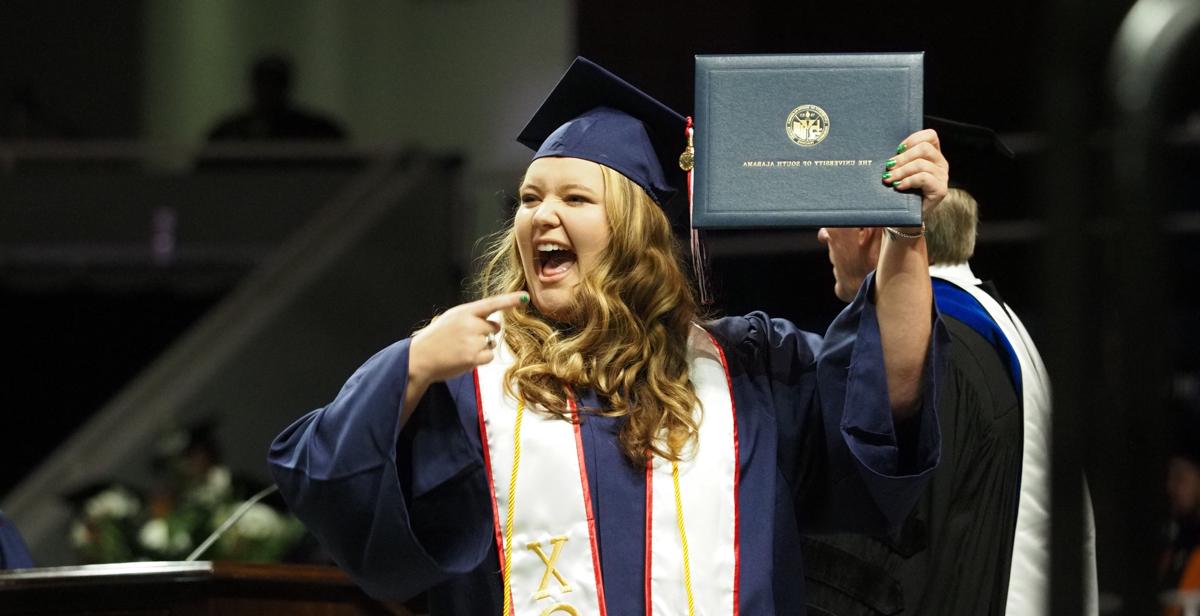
554 261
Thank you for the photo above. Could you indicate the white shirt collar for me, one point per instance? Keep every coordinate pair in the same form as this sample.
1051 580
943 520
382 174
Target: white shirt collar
959 273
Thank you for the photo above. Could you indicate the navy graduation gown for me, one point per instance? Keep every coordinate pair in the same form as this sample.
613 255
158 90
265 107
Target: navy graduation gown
14 554
408 510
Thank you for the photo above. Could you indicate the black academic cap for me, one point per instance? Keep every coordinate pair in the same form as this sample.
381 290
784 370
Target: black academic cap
976 153
594 115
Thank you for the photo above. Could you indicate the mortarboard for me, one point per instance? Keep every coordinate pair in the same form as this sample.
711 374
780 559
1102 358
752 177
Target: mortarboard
978 157
594 115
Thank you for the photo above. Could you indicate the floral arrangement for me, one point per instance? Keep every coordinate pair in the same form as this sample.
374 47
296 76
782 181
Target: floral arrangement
194 495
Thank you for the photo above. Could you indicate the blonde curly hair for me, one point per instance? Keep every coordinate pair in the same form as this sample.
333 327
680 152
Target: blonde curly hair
628 335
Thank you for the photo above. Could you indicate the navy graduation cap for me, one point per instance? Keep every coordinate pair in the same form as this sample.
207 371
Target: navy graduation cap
594 115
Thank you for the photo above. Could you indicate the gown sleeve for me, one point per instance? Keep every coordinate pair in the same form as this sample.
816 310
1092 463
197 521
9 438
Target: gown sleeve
398 510
846 464
14 554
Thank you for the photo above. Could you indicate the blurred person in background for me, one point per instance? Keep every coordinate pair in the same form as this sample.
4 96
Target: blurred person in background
273 115
1180 566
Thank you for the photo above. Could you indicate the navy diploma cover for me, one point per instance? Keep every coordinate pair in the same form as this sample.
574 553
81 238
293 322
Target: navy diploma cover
802 140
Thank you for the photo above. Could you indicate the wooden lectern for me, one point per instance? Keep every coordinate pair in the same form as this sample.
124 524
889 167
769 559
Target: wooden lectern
187 589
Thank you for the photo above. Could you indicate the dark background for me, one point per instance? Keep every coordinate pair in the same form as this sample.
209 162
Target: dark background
73 336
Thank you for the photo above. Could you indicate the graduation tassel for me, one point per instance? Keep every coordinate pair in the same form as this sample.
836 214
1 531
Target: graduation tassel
687 161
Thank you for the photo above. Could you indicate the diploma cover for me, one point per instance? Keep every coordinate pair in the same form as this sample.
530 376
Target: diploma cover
802 140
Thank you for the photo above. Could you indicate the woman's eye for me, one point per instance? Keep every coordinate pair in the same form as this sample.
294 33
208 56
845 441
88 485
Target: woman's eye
527 199
576 199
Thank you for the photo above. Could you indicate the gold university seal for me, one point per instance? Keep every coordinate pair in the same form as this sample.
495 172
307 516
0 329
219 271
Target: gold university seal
807 125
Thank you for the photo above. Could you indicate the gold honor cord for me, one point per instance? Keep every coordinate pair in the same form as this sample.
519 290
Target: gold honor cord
512 506
687 567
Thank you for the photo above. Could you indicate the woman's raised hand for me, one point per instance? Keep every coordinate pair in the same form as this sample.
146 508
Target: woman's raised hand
459 339
919 165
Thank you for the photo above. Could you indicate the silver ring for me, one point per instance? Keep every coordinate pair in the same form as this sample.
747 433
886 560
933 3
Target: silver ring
490 341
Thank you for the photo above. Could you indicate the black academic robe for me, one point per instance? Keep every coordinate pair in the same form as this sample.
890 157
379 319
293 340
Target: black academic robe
952 556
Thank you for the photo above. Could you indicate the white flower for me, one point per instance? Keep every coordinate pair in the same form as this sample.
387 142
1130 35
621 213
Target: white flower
259 522
79 534
180 541
113 503
215 488
155 535
218 479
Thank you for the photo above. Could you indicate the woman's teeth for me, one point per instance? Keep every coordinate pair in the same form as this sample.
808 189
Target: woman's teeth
554 259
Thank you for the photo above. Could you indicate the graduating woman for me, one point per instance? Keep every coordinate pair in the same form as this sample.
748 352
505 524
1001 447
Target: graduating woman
579 442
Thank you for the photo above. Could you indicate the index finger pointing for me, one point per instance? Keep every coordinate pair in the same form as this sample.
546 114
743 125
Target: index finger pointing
486 306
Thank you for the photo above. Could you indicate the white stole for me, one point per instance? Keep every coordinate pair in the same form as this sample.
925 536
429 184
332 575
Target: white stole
1028 582
555 565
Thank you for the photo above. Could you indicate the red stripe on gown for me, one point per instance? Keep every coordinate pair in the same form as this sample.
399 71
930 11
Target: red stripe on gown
649 530
487 465
587 503
737 527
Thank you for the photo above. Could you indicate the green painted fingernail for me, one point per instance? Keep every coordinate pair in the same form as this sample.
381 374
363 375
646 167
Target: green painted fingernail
524 298
887 175
891 163
896 184
900 150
